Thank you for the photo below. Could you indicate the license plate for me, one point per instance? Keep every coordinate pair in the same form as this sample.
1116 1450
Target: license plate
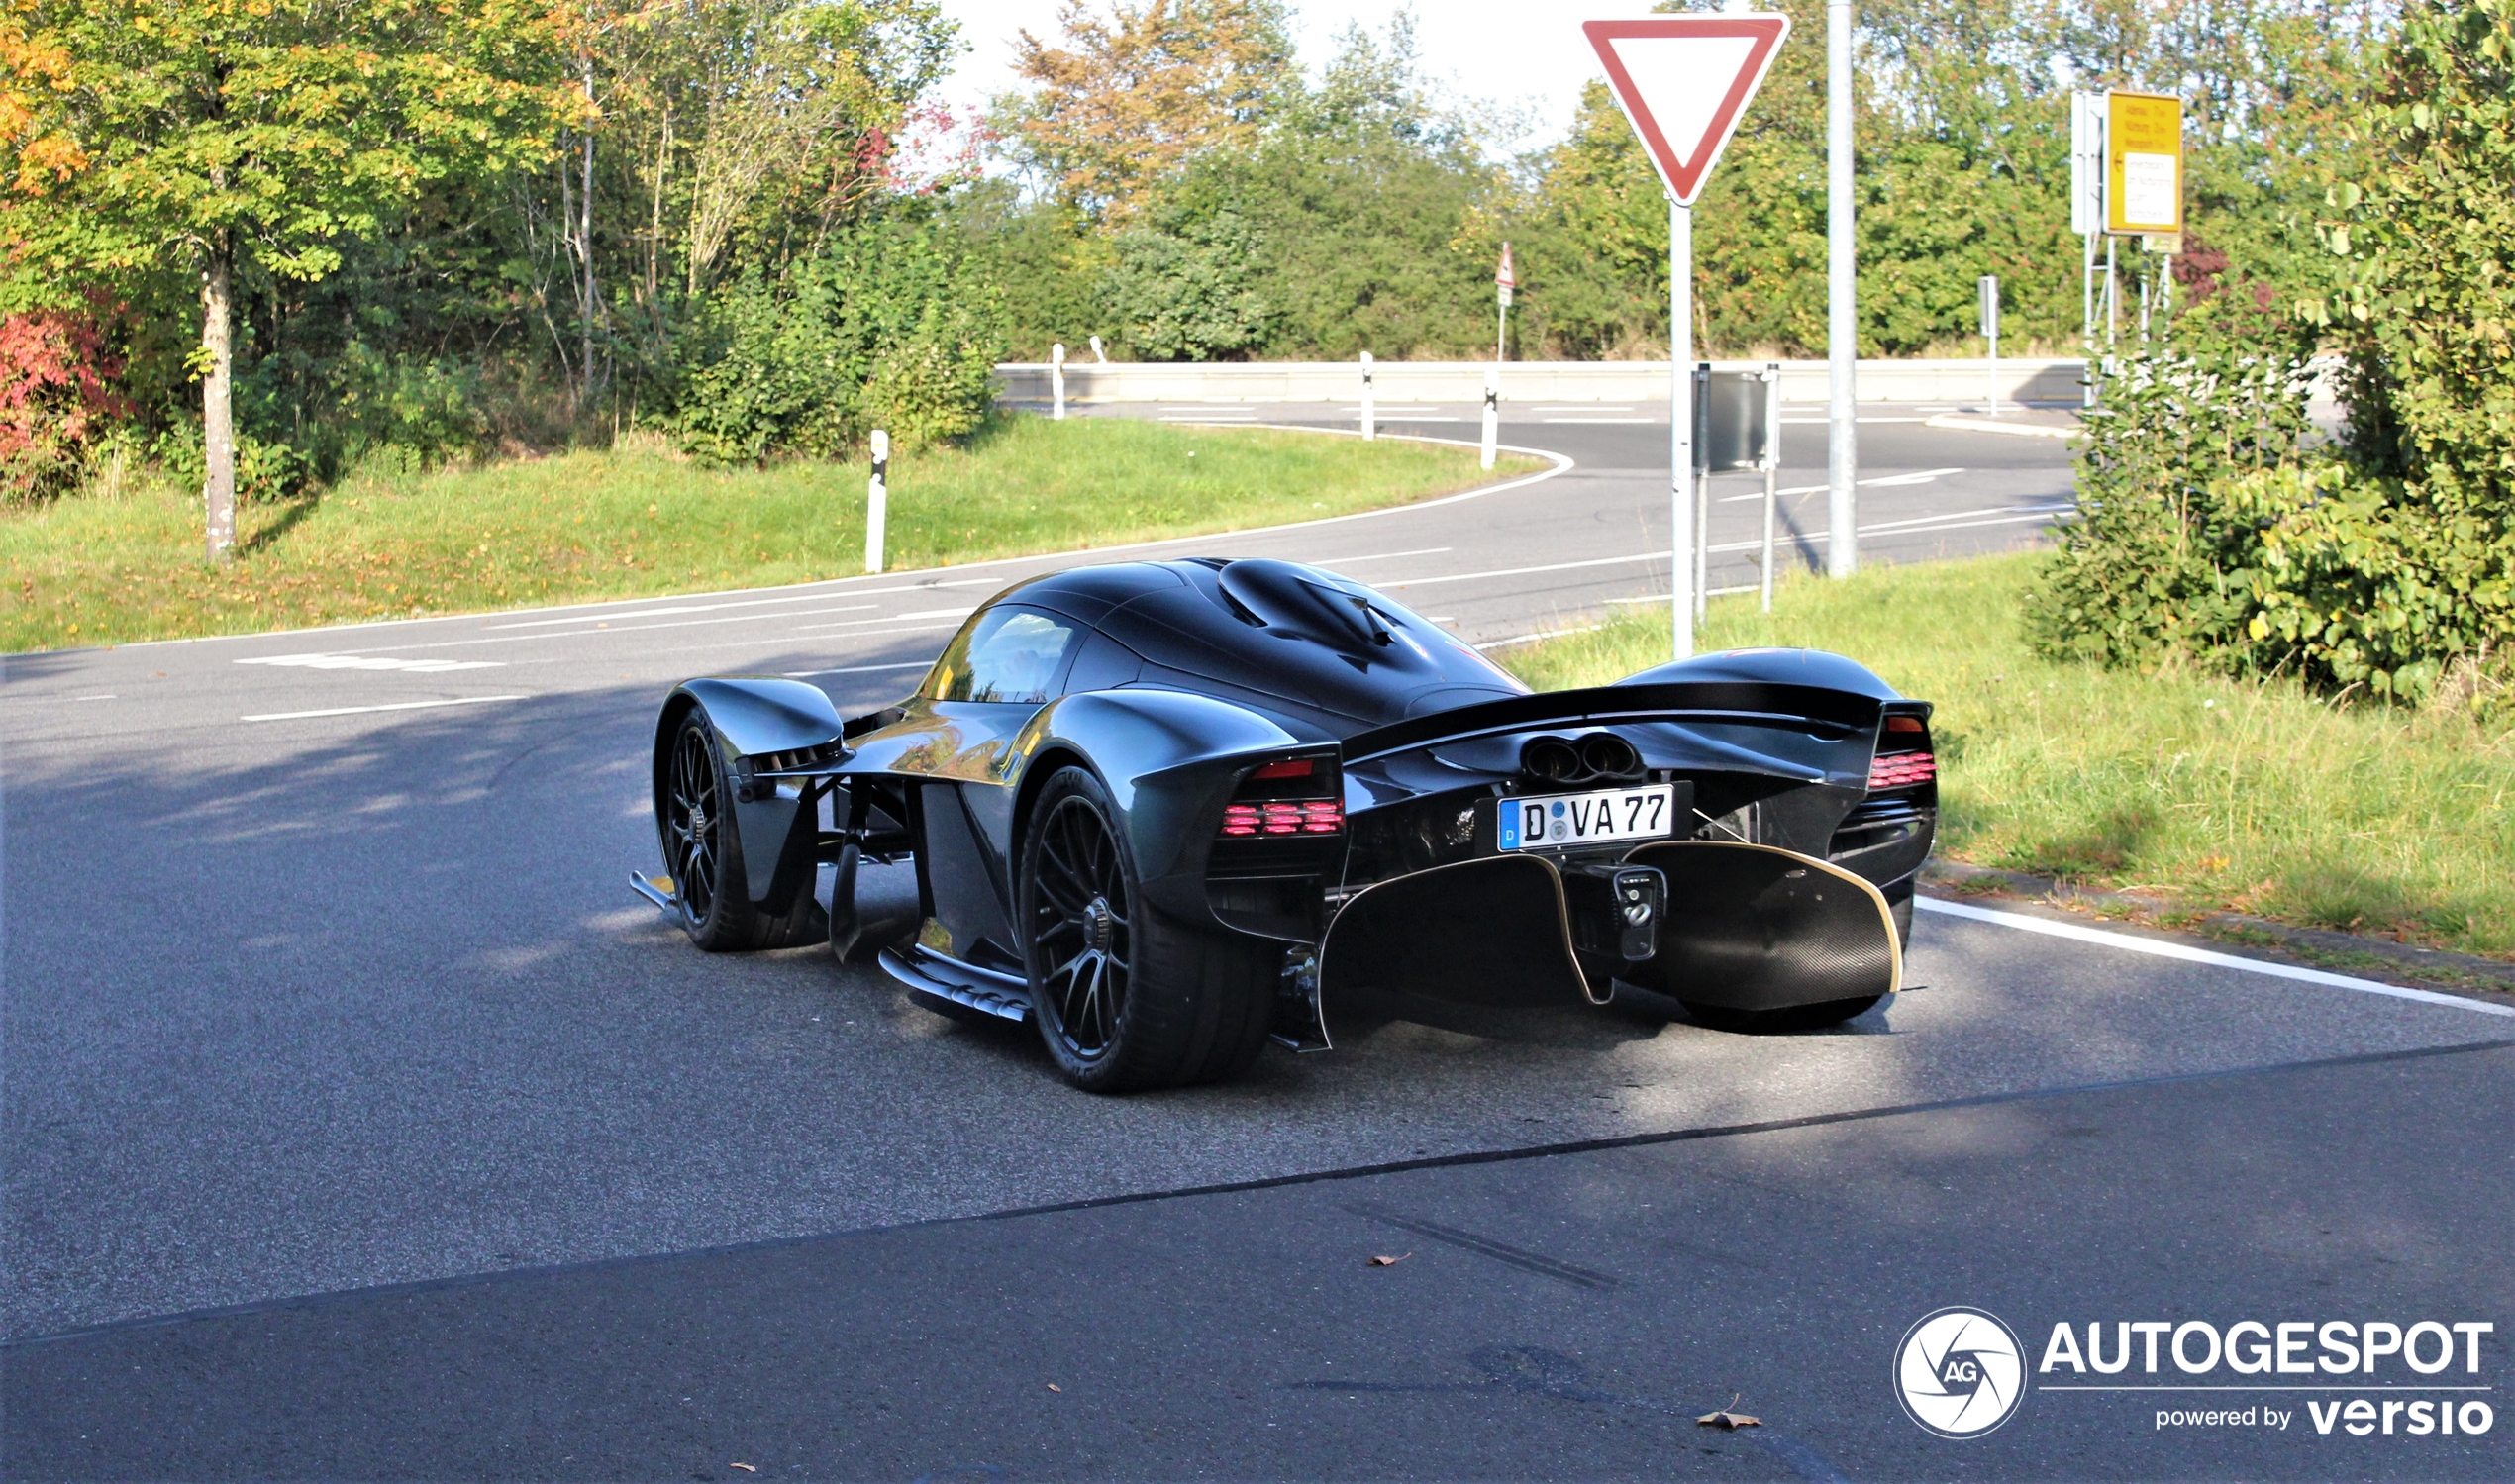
1554 820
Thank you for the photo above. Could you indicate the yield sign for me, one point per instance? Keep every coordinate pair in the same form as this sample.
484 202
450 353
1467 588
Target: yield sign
1683 81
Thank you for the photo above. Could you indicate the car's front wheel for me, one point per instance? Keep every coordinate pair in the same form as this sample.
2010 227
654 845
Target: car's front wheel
1125 997
703 853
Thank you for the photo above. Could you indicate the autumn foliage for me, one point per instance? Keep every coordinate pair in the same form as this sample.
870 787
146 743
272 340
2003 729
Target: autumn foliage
57 391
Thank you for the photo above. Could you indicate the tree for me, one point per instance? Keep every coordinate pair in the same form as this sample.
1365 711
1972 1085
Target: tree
1133 97
163 135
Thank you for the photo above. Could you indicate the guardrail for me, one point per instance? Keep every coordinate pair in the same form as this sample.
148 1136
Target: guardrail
1627 381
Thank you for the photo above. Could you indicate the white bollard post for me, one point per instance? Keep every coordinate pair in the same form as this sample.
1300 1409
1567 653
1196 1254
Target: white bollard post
1371 414
878 501
1492 414
1056 379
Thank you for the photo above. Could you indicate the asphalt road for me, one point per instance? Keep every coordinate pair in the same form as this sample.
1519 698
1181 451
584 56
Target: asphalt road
320 978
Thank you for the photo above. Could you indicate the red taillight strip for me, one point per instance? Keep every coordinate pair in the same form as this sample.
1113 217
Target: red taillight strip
1286 816
1901 770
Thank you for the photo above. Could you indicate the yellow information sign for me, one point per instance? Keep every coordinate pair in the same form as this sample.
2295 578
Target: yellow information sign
2143 164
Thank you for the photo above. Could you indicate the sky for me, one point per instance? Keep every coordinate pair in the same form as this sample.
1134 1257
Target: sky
1521 54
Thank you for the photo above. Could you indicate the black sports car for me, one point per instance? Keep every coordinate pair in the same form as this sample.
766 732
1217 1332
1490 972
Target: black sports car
1169 809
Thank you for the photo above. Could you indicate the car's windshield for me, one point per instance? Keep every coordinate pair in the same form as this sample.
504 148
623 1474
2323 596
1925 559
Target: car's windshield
1010 654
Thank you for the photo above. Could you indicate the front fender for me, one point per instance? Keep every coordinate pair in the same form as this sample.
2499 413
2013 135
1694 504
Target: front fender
759 721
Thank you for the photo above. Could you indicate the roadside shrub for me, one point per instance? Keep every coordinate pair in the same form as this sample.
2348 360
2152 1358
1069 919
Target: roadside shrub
2214 530
266 471
56 378
883 328
2160 560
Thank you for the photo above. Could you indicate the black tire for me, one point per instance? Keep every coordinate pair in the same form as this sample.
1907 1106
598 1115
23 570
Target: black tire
1127 998
1774 1021
703 855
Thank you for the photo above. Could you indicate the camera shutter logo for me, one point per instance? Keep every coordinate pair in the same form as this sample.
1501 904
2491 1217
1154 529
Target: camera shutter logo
1960 1372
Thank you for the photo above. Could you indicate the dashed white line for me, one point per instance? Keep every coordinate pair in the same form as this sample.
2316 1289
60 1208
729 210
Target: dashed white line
321 661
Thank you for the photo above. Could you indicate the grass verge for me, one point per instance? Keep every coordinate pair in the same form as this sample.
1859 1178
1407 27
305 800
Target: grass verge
2252 797
122 563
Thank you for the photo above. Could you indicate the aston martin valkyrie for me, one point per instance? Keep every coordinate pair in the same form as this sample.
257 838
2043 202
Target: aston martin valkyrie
1169 809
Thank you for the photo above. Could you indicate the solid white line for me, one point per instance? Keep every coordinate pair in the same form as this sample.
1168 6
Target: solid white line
293 715
659 612
1338 561
1583 407
1530 639
859 670
834 587
1598 420
2163 950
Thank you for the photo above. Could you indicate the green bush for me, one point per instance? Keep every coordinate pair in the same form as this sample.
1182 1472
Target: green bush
882 327
2214 530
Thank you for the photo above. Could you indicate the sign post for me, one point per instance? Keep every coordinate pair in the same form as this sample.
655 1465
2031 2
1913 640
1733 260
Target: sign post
878 501
1683 81
1503 283
1989 287
1370 416
1057 380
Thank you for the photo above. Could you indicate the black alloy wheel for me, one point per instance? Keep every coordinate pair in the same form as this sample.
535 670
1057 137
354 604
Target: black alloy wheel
1078 919
702 842
694 823
1126 995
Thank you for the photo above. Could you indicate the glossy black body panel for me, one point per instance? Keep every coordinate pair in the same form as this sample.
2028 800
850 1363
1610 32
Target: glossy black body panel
1180 679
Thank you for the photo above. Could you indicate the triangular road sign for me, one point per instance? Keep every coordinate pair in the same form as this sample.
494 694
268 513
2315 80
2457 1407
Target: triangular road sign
1684 81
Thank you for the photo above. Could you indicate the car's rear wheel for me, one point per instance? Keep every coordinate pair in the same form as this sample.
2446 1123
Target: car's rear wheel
1771 1021
703 852
1125 996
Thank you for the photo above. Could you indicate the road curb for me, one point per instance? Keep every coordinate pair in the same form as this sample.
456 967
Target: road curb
2489 978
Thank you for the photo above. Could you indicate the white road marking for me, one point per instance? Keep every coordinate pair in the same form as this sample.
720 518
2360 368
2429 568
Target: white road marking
293 715
2190 954
2001 513
1598 420
1208 417
656 613
831 587
373 662
1583 407
91 698
858 670
1924 476
1339 562
1821 422
1984 425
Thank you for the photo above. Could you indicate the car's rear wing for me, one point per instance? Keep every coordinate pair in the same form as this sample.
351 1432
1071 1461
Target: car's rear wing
1809 708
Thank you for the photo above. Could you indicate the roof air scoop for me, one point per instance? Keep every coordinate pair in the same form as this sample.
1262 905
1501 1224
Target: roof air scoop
1294 598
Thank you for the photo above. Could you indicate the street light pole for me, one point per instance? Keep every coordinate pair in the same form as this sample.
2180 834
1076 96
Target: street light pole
1842 326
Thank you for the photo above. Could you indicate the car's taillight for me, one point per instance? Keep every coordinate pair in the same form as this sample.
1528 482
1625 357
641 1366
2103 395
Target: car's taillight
1904 759
1901 770
1297 796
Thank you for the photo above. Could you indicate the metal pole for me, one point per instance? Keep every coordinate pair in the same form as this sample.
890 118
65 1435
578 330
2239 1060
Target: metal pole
1681 424
1702 489
878 501
2112 299
1841 325
1056 379
2087 317
1492 414
1371 414
1772 468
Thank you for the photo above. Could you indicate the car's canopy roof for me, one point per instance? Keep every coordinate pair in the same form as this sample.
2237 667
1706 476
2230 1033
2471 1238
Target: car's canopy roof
1277 635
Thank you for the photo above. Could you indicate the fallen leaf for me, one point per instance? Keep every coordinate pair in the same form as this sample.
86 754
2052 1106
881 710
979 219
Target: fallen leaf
745 1467
1726 1419
1391 1261
1060 1390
